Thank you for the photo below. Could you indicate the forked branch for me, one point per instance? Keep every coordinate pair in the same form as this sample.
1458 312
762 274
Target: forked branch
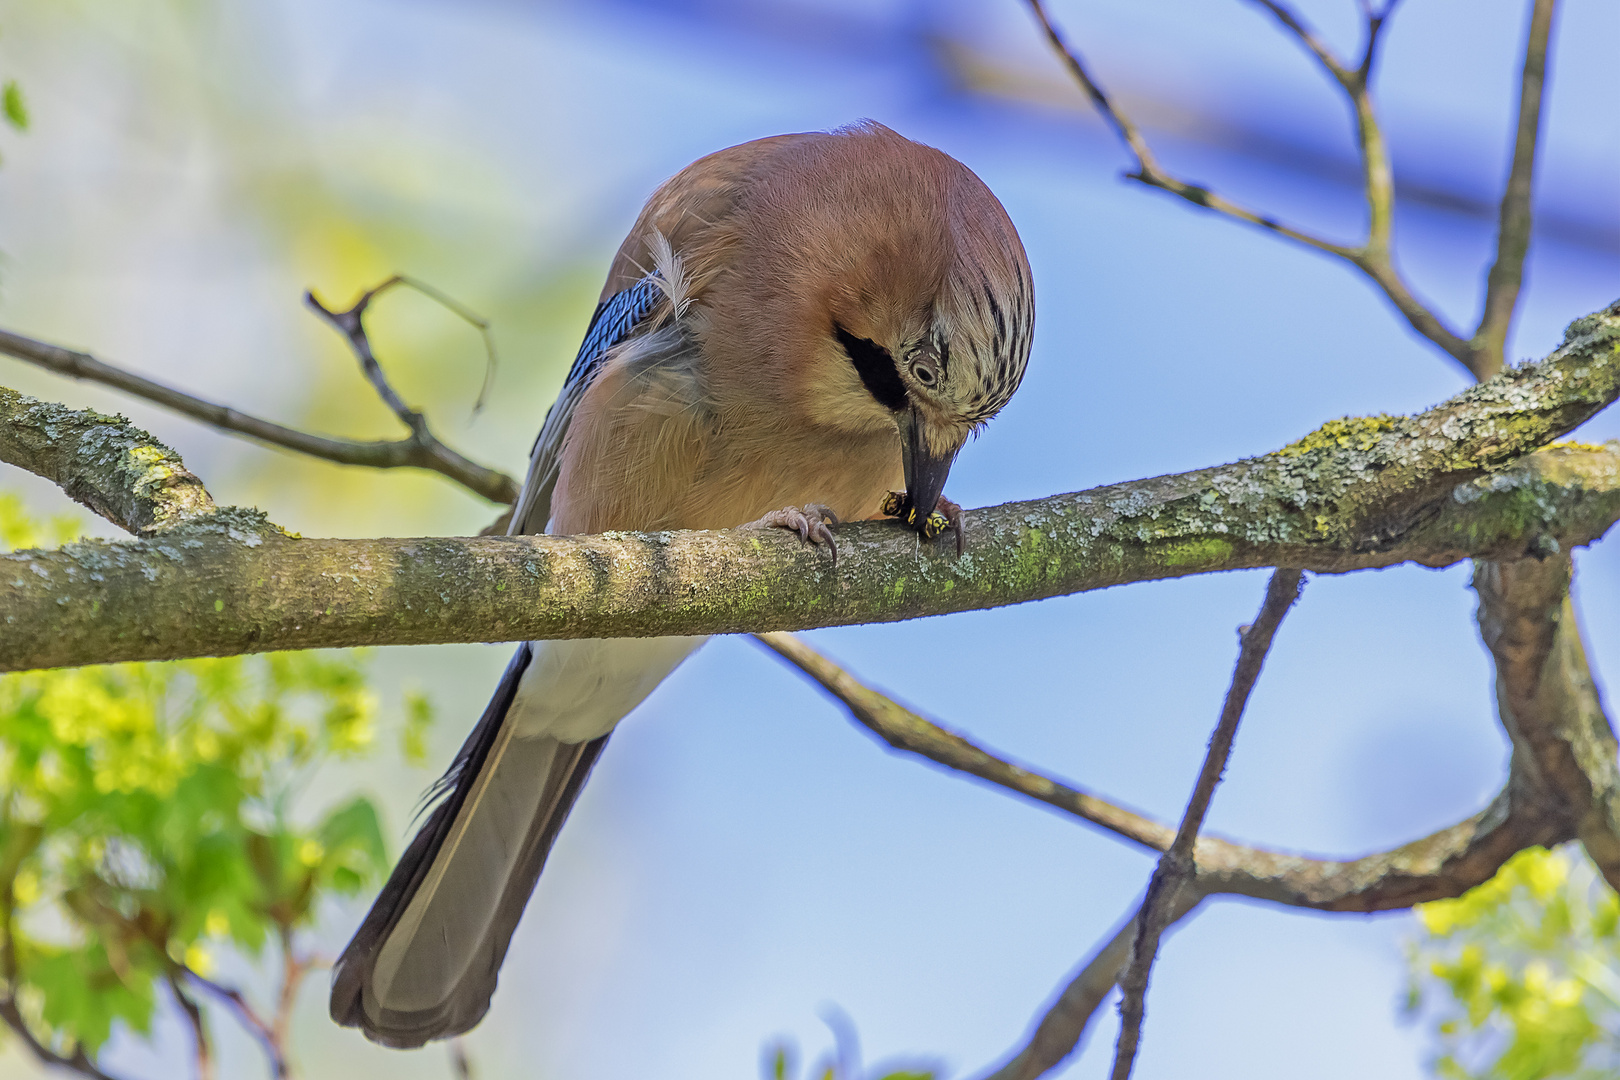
1176 867
1482 354
1444 864
422 450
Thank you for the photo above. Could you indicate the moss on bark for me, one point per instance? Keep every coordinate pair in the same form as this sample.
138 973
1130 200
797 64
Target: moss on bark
1433 488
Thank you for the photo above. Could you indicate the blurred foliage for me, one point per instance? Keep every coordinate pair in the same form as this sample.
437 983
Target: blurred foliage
1521 975
13 105
216 105
147 824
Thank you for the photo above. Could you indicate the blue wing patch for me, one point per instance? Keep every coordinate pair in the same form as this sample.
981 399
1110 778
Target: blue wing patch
614 321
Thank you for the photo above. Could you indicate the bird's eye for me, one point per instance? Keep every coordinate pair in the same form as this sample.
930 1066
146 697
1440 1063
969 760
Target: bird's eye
923 374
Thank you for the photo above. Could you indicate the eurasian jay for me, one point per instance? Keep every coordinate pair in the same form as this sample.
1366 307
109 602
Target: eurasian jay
793 326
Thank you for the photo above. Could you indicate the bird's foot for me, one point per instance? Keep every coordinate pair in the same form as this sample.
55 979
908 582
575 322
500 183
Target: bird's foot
946 515
810 522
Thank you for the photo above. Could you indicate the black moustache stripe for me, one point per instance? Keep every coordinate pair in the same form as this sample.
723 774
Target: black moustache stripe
875 367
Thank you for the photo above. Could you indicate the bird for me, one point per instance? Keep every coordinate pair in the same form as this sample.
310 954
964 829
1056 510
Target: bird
798 331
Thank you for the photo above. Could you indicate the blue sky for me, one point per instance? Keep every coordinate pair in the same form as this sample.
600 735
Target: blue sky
744 857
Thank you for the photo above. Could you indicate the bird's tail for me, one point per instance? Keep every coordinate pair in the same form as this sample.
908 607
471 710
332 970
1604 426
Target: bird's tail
423 964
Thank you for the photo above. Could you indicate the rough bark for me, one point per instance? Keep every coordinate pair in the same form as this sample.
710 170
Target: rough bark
1354 494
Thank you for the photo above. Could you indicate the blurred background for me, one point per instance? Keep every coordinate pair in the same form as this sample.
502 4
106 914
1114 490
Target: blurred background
745 863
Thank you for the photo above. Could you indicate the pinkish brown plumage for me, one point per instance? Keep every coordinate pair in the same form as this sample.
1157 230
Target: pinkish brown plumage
803 321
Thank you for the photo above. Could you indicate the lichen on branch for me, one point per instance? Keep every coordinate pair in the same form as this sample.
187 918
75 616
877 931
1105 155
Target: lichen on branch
104 462
1436 487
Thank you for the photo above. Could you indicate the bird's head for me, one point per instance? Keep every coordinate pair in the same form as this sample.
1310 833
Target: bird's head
873 286
934 320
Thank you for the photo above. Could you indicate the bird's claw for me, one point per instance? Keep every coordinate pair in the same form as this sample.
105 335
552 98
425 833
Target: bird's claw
810 522
946 515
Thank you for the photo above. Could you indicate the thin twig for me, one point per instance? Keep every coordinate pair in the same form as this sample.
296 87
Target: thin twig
1148 169
238 1003
1320 49
1506 276
1057 1035
1444 864
460 1064
1375 22
466 314
1373 256
906 730
199 1029
492 484
1176 868
293 970
351 324
78 1061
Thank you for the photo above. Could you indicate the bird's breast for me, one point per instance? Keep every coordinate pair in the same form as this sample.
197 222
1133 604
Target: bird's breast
636 460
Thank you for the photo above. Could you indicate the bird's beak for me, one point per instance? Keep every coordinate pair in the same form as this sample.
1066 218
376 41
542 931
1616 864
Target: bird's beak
926 469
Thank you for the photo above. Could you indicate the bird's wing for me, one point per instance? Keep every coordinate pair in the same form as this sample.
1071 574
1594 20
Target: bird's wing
616 319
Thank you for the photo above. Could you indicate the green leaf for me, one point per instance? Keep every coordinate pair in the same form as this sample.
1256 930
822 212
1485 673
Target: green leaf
418 718
13 105
352 839
84 996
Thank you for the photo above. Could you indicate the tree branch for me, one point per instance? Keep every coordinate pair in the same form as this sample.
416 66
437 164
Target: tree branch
1353 495
1513 233
1176 869
199 1029
1373 257
103 462
1148 169
1443 865
238 1003
403 453
1060 1029
1342 74
77 1062
1564 746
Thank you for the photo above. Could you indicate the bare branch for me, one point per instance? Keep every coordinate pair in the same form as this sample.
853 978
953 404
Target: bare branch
1176 869
904 730
1059 1031
1506 276
1342 74
1445 864
1373 257
404 453
1564 746
1149 171
203 1057
1375 22
238 1003
103 462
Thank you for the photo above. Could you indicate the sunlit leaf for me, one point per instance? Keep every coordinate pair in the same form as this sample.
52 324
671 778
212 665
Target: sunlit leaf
1521 975
13 105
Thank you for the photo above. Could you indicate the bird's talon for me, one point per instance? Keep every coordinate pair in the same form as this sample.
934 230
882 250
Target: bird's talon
810 522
